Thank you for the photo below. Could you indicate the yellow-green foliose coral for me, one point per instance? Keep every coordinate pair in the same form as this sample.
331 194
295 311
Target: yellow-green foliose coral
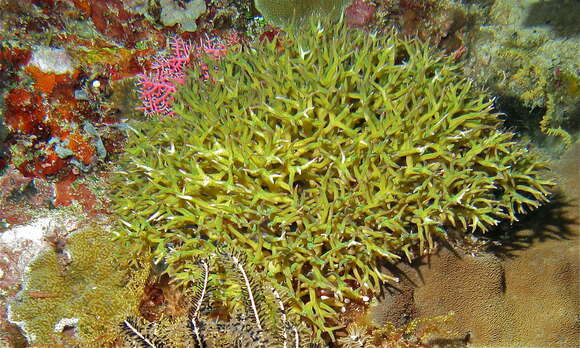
321 160
86 287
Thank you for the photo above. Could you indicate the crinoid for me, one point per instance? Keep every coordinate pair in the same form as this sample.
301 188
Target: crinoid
262 320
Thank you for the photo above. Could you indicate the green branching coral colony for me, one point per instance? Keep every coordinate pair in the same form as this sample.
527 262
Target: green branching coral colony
320 155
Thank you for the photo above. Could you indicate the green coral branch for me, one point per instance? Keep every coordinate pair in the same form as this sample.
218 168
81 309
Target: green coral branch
321 161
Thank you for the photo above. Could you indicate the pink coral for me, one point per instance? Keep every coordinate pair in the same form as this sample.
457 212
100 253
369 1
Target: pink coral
213 48
156 88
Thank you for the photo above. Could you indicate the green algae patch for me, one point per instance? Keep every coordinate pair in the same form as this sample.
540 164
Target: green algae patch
79 294
321 155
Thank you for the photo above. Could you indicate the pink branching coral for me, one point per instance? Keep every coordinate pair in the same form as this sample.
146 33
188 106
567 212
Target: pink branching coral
213 48
156 87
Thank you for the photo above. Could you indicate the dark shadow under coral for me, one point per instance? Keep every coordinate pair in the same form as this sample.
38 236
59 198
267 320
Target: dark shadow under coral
525 121
551 221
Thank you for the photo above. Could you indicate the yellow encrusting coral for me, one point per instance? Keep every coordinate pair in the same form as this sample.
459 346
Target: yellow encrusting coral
89 293
320 155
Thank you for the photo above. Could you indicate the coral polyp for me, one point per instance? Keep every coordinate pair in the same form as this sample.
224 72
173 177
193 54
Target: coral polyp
322 154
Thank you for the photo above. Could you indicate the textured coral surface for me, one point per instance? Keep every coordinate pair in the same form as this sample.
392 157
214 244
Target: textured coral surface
79 285
284 12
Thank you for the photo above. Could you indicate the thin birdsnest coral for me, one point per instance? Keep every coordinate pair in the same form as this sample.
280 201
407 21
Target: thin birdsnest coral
321 154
